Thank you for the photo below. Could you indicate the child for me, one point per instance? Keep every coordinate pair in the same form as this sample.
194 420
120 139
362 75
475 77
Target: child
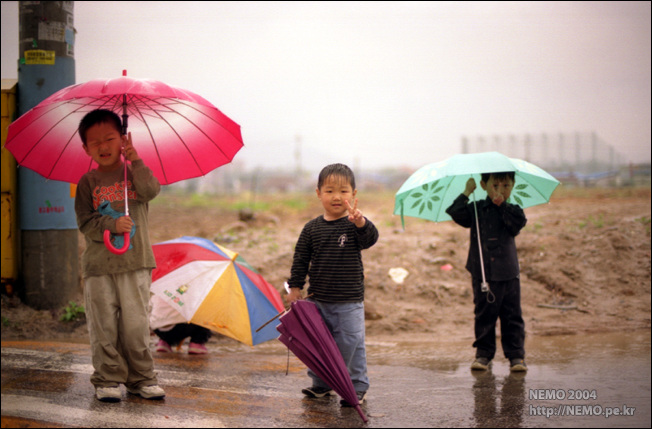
329 252
500 222
116 287
172 334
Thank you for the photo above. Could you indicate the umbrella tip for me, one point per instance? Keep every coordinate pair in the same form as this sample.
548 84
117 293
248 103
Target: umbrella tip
124 72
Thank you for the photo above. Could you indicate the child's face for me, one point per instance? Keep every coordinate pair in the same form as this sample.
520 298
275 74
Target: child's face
332 194
104 145
498 190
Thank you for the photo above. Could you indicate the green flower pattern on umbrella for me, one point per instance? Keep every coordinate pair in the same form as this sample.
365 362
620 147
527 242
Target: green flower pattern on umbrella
427 195
424 199
520 193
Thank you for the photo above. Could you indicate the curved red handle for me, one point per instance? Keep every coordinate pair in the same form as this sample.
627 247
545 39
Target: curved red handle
107 243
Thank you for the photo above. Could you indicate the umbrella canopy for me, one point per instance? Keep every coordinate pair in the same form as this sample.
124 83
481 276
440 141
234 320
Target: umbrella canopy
178 134
304 332
212 286
433 188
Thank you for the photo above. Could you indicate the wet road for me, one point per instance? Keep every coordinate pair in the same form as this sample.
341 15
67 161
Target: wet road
573 381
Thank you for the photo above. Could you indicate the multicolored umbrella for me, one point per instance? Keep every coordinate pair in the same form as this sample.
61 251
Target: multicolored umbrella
304 332
212 286
433 188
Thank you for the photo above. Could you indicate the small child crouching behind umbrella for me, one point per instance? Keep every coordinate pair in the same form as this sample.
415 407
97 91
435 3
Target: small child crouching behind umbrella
499 223
328 251
173 334
116 287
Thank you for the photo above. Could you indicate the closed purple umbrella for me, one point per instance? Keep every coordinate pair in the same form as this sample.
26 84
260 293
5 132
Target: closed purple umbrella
304 332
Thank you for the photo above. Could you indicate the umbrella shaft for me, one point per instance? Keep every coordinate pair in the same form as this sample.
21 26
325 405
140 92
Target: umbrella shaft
125 116
125 190
485 286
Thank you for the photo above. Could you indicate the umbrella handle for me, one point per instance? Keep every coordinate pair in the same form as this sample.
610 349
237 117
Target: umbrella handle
127 235
277 316
109 245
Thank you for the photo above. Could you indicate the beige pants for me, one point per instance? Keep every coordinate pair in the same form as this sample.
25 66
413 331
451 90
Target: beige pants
118 324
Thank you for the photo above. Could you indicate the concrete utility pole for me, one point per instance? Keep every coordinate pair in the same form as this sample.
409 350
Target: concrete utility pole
49 237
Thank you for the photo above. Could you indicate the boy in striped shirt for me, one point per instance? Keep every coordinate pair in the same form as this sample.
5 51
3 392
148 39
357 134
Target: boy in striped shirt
329 253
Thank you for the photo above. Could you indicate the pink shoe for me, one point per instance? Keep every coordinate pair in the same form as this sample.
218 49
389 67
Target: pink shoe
163 347
197 349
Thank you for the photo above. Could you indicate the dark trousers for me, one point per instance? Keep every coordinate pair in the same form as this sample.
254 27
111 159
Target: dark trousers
198 334
507 307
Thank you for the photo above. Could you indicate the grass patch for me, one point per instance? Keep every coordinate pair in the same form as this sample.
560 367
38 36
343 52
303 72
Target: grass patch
72 312
600 192
645 221
597 222
234 203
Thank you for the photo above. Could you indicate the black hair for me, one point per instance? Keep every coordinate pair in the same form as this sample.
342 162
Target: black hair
498 176
340 170
98 116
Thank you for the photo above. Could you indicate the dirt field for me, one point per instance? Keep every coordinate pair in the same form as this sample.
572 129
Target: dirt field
585 261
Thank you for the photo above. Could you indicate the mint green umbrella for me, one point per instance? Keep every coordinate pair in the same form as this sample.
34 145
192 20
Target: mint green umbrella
431 189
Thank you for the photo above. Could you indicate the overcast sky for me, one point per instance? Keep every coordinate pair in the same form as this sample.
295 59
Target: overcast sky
380 84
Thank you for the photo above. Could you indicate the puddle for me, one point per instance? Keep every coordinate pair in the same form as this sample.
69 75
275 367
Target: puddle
598 380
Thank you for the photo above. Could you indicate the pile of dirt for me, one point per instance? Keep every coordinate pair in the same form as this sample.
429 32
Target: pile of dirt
585 261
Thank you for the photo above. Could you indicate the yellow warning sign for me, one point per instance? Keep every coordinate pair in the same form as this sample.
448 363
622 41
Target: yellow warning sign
39 56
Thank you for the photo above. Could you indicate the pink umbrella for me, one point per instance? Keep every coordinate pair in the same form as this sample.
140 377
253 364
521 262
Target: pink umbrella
177 133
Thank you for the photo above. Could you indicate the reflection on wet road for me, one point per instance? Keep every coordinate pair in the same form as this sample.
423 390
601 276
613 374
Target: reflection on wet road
573 381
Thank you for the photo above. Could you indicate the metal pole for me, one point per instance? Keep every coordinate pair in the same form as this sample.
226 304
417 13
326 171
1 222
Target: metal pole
49 237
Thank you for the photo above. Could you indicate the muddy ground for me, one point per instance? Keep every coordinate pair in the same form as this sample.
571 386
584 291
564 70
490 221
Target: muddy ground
585 261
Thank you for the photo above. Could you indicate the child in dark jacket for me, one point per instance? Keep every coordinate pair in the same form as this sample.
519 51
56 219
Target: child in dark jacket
499 223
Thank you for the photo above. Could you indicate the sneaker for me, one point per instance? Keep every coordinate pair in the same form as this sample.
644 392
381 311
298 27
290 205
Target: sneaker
318 392
517 365
163 347
148 392
362 396
481 364
197 349
108 394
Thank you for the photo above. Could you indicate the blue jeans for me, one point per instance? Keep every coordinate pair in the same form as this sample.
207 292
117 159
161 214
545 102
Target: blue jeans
345 321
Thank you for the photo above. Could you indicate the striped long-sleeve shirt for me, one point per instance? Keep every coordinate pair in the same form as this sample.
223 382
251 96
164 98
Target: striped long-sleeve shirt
329 253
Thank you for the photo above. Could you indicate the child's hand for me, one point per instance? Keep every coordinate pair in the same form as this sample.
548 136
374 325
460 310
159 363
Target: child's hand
470 187
294 295
129 150
498 199
355 215
123 224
